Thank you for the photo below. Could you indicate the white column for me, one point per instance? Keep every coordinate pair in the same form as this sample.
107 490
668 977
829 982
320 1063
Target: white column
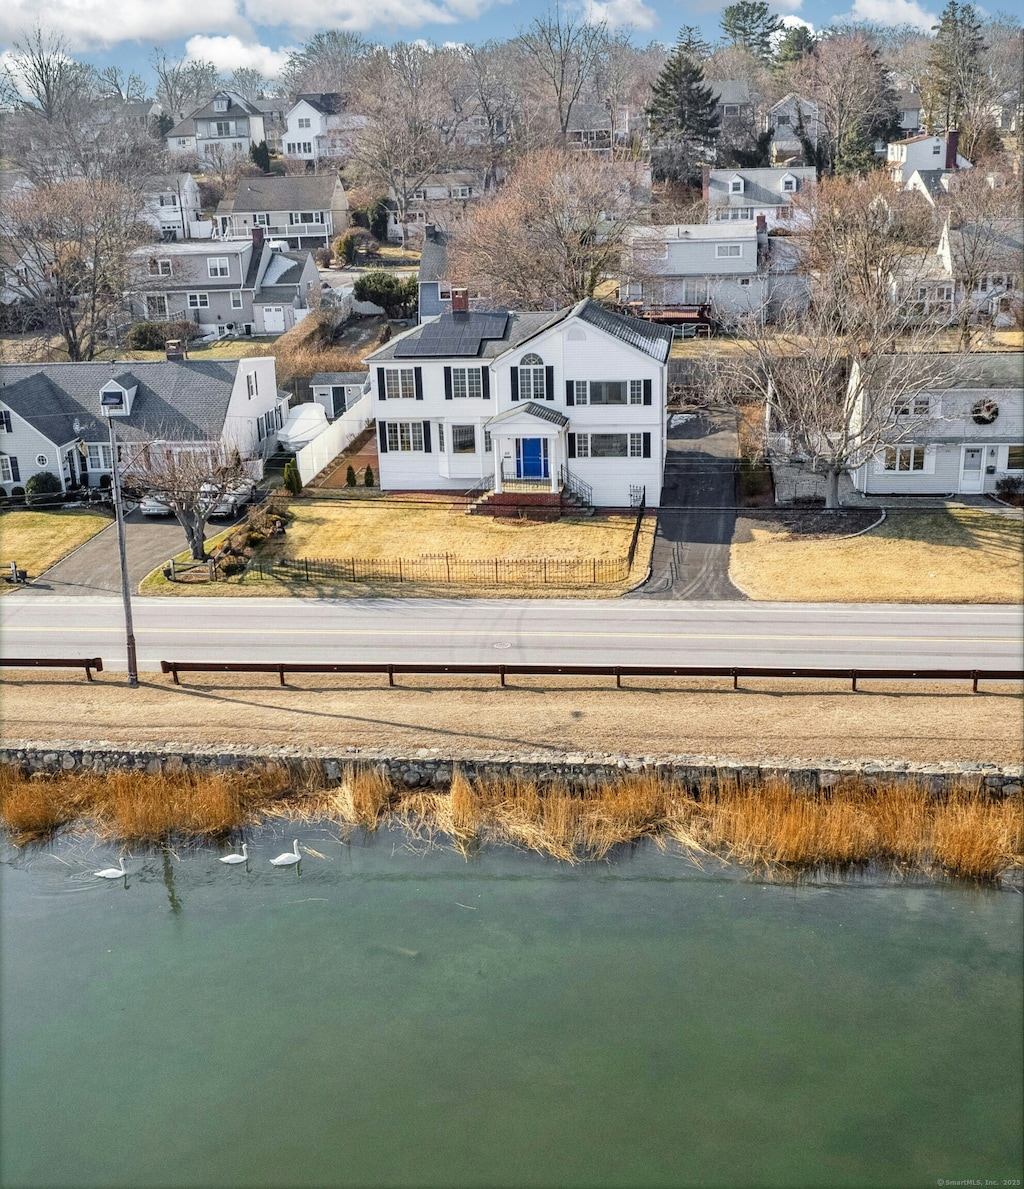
554 460
497 445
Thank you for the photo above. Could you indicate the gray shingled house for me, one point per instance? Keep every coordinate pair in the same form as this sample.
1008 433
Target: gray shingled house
307 211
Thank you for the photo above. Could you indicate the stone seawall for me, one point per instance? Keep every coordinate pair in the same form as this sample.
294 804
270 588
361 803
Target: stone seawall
431 768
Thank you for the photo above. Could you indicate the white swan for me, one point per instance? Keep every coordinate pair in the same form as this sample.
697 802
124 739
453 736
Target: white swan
289 858
242 858
112 872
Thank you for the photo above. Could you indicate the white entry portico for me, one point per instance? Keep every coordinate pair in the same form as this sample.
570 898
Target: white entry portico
529 446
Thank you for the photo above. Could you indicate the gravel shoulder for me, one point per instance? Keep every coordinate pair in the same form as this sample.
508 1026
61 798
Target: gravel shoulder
658 717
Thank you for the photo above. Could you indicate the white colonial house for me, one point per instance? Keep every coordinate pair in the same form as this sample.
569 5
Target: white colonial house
923 152
173 207
961 438
550 405
52 418
317 129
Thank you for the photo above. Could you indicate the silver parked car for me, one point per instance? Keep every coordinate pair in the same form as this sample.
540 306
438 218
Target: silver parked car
235 498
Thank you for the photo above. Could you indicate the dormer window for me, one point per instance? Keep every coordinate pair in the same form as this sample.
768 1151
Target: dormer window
788 184
115 399
220 104
736 185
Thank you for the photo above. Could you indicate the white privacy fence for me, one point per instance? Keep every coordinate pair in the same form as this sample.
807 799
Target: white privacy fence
326 447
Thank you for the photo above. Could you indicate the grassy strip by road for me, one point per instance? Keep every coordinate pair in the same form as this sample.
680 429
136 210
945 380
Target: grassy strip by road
37 540
767 825
960 555
394 527
459 715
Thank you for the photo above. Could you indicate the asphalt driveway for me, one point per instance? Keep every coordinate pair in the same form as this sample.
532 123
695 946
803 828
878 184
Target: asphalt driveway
93 569
698 511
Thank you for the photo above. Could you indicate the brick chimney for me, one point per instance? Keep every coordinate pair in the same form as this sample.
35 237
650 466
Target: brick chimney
257 237
705 181
428 230
952 142
762 225
460 301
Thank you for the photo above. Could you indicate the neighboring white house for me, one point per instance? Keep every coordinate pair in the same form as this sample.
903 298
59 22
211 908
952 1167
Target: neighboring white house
173 207
705 273
743 194
51 417
224 286
435 198
306 211
317 129
228 124
337 391
958 439
552 402
923 152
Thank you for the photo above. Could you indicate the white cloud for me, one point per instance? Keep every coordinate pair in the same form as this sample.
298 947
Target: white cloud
90 24
229 53
306 16
894 12
618 13
792 22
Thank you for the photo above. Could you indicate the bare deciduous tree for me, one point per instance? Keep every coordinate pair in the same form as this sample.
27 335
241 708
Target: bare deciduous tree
551 234
54 84
563 53
183 84
72 243
191 478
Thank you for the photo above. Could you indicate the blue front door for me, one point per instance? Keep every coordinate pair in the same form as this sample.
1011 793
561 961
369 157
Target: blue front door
531 458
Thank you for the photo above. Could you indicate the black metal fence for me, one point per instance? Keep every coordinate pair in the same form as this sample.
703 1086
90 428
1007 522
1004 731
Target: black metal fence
447 568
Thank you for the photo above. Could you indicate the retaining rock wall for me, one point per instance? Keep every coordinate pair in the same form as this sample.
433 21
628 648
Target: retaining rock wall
431 768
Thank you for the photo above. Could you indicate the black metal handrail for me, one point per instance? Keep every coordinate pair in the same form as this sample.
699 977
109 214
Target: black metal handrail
583 491
617 671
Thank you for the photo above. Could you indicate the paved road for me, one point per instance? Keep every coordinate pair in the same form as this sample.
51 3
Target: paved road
695 525
94 568
594 632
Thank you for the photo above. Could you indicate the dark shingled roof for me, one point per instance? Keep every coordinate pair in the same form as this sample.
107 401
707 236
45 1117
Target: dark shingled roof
648 337
520 327
312 192
328 102
186 400
434 257
322 378
535 409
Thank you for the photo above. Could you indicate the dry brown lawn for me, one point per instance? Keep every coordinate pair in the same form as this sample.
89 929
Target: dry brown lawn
459 715
410 527
37 540
961 555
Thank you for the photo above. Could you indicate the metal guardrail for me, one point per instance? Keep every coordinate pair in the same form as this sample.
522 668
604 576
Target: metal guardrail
86 663
617 671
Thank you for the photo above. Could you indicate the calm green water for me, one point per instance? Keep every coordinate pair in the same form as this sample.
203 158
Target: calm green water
640 1023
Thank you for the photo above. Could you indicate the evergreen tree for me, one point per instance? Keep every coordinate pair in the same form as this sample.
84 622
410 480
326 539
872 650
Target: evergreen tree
750 24
259 155
684 115
691 40
954 69
797 42
855 155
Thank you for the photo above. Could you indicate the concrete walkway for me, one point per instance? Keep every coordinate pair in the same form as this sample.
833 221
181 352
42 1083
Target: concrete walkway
698 512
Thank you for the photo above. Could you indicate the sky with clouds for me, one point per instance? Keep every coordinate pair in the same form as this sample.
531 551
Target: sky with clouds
259 33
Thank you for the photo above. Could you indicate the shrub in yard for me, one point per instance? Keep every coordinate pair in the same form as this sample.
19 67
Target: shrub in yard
146 336
17 495
43 488
350 476
368 477
1010 485
292 478
323 257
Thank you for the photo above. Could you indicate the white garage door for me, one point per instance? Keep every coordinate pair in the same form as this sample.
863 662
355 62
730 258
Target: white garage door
273 319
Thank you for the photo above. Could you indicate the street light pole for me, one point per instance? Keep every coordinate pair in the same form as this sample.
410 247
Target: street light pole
126 597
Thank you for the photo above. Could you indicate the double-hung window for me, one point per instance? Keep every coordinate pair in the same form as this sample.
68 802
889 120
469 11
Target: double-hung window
304 122
728 251
917 405
236 299
405 435
1015 458
7 470
531 378
463 439
198 301
159 268
399 384
98 457
904 458
261 220
466 382
217 266
156 305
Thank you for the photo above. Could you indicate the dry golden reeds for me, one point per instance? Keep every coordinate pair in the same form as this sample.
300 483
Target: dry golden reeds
766 824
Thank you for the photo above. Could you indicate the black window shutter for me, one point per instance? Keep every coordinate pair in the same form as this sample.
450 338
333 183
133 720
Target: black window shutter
549 383
570 392
448 383
417 376
514 375
426 437
647 445
15 473
382 435
570 444
647 392
485 382
382 392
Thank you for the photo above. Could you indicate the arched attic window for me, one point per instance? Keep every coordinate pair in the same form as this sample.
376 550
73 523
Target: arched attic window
531 377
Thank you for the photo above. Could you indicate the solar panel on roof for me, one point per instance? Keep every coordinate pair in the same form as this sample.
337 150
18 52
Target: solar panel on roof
454 334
